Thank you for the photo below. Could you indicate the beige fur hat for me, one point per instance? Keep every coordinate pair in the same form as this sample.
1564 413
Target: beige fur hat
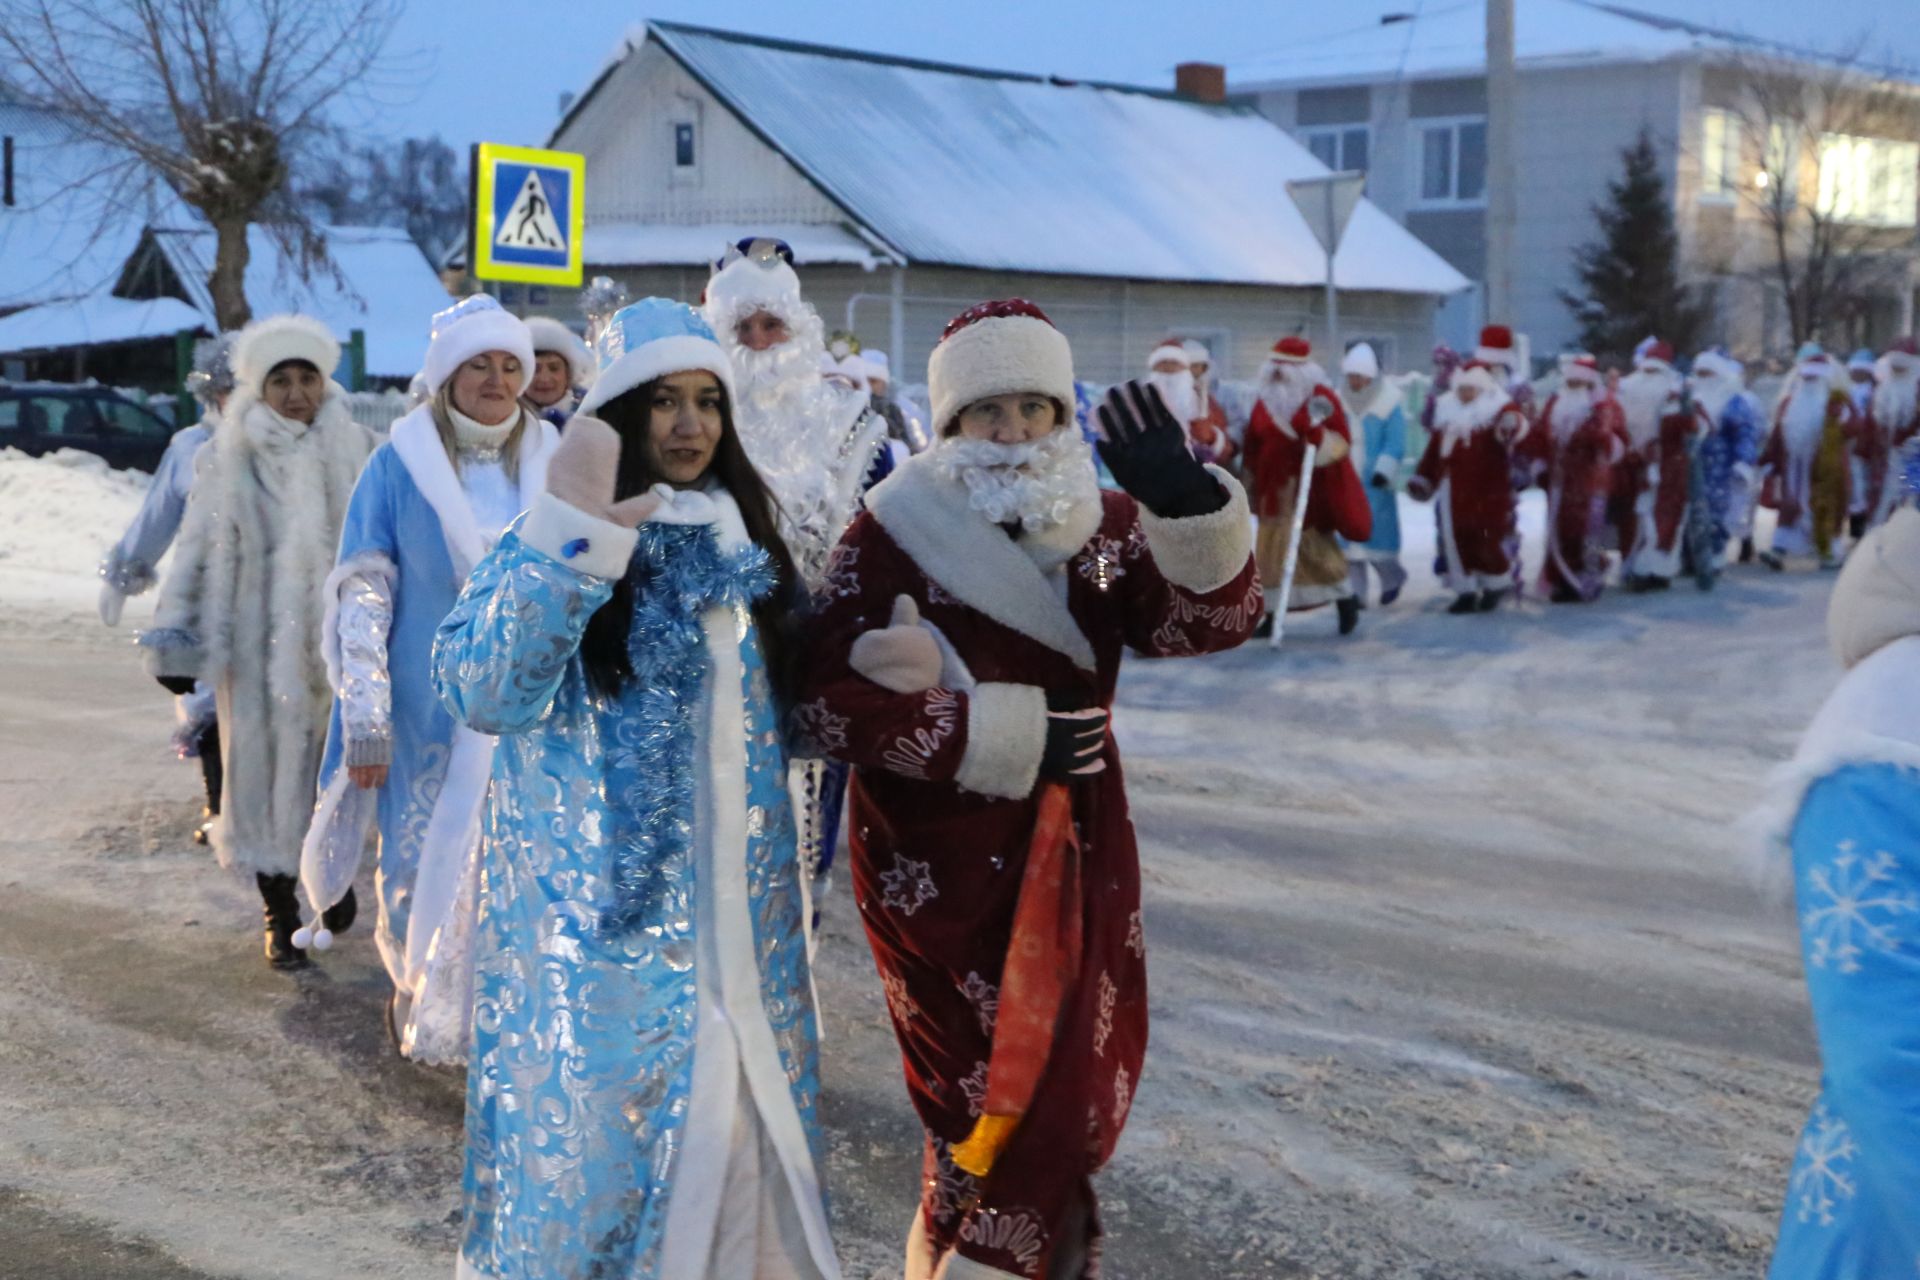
997 349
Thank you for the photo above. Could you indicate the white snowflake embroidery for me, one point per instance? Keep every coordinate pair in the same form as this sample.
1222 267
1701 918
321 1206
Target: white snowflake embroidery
1137 935
842 576
817 723
1103 1021
974 1086
900 1001
1100 562
1122 1095
909 886
984 996
1823 1175
949 1187
1854 910
1018 1233
909 754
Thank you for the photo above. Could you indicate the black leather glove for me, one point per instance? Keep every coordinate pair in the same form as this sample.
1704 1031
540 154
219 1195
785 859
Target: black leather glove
1146 450
1076 735
178 686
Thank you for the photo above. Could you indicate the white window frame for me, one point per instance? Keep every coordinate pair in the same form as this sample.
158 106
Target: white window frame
1339 132
1421 125
1720 180
1890 169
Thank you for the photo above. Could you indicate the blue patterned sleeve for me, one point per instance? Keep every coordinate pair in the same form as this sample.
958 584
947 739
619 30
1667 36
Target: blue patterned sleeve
500 656
1856 853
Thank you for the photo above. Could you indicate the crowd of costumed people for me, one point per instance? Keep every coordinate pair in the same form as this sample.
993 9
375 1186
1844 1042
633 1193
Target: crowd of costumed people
591 649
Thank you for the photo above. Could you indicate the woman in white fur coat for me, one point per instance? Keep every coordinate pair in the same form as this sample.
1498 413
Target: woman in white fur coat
242 605
429 506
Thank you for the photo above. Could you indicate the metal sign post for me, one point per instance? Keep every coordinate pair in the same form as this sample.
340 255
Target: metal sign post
529 215
1327 203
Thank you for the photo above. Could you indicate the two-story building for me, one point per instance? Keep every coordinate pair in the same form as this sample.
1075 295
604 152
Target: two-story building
1405 99
910 190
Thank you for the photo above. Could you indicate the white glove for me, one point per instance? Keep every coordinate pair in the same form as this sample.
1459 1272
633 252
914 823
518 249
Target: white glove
903 656
581 474
111 603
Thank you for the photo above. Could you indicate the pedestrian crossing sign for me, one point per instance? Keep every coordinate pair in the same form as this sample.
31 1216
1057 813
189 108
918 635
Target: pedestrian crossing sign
529 210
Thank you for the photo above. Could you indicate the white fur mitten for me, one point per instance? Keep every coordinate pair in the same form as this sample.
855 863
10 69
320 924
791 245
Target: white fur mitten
903 656
582 474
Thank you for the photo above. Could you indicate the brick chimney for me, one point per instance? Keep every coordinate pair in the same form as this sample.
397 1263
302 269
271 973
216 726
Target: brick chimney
1201 81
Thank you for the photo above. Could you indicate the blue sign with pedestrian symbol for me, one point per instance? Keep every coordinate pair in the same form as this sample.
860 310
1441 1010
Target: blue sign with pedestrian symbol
528 215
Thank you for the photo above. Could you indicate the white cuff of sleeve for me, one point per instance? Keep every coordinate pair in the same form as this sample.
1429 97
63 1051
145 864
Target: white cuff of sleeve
577 540
1386 467
1006 736
1203 553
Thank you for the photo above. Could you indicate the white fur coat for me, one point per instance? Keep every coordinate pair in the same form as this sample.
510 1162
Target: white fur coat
242 609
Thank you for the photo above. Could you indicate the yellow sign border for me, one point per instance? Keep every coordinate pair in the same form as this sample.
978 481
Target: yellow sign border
486 156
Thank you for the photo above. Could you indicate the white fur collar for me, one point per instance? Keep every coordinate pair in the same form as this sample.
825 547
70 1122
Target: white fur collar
711 504
928 516
416 442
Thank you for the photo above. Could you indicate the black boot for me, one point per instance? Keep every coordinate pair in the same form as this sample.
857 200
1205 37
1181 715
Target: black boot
1349 610
1857 525
1467 603
1265 630
339 917
1746 551
283 917
1490 600
1774 561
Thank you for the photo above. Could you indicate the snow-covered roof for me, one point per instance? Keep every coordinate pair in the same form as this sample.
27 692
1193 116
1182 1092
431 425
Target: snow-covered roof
97 320
78 210
1391 39
953 166
385 287
628 244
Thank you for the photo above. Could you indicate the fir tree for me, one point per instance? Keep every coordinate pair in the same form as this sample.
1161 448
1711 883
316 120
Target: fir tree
1630 276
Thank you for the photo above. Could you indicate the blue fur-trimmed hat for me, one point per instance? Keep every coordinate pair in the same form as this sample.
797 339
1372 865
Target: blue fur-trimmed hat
649 339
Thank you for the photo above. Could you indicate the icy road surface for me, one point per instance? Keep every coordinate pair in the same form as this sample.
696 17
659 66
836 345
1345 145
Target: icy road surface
1454 976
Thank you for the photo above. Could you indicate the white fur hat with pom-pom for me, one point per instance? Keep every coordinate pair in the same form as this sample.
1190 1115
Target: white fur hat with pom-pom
551 335
265 345
475 324
996 349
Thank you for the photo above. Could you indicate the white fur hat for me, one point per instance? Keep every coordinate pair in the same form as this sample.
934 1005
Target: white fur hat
1361 360
1197 352
1877 598
997 349
266 344
475 324
746 285
1170 350
878 359
550 335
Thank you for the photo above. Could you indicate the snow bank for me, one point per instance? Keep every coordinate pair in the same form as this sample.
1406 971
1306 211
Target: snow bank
58 516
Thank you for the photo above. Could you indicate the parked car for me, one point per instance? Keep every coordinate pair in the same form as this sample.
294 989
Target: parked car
39 417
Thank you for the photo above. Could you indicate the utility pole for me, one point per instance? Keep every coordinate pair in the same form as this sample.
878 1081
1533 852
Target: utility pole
1503 186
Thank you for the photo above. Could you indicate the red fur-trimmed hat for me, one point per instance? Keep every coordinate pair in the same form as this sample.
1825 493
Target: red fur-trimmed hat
996 349
1659 351
1292 350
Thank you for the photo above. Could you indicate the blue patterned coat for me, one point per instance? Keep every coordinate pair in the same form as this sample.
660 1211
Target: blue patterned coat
585 1014
1734 441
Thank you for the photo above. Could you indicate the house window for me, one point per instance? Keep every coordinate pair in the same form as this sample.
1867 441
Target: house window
1719 154
1341 148
1453 162
683 145
1869 180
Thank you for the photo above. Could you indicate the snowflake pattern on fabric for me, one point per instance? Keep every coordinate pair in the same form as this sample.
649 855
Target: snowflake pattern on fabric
819 727
1122 1095
1101 562
984 996
843 574
900 1001
1018 1233
1103 1021
1137 935
1854 909
909 886
937 594
950 1190
909 754
1823 1168
974 1085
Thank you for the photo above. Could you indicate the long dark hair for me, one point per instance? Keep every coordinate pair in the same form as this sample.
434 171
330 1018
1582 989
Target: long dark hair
603 648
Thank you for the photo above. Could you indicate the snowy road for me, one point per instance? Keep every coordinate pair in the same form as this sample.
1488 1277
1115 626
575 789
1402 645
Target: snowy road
1452 977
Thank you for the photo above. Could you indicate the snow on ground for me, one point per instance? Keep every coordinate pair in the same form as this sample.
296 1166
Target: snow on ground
58 516
1452 974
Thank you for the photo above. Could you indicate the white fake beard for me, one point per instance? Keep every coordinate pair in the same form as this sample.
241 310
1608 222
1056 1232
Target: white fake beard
1713 395
1642 396
1284 391
1458 418
1037 485
1806 415
1177 393
1571 408
1894 399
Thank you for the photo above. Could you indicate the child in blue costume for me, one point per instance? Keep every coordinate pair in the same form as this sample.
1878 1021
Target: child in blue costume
431 503
644 1077
1845 816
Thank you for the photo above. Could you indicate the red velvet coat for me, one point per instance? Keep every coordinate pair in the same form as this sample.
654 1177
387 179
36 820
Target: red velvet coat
941 810
1337 503
1576 472
1471 477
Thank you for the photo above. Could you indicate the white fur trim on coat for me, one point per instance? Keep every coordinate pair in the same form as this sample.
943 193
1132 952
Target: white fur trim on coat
562 531
998 356
1203 553
657 359
1006 736
550 335
929 517
267 343
416 442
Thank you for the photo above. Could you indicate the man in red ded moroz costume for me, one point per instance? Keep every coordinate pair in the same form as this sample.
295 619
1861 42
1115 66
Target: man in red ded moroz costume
1578 437
1467 471
1652 486
1296 408
969 639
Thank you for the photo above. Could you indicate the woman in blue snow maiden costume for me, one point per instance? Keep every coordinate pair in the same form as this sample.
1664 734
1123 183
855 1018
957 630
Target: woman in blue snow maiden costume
431 503
1844 819
644 1076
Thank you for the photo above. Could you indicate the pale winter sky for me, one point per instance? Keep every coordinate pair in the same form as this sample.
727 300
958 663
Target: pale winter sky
494 69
